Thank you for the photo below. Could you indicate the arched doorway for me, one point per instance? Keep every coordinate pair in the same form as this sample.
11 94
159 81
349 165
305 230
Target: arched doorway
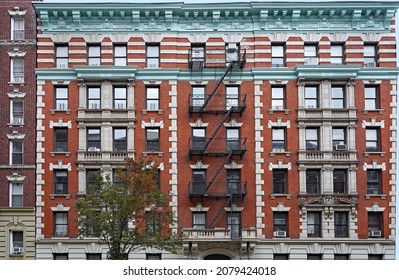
217 257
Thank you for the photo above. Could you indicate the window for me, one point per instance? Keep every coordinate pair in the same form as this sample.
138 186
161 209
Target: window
279 181
94 55
312 139
60 181
340 181
233 181
374 181
17 70
91 180
198 96
278 55
232 53
61 139
315 256
152 139
18 28
278 98
120 98
376 257
120 55
16 149
93 257
158 178
281 257
280 224
153 56
154 257
17 111
314 224
153 224
313 181
311 54
93 98
341 224
234 224
152 98
278 139
338 97
339 139
233 139
93 139
120 139
17 242
337 53
61 98
115 179
371 101
198 52
199 181
61 56
232 97
375 224
341 257
60 224
311 97
370 55
60 257
94 226
16 195
199 220
199 139
372 140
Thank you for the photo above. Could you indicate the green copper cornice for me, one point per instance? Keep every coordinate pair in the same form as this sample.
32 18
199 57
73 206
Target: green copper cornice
216 17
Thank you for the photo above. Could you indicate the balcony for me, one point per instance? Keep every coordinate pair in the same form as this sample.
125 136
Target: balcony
103 156
217 146
219 103
217 190
217 234
327 156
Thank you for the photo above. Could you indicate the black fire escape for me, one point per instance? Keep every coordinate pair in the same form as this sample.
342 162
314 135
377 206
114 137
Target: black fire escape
233 190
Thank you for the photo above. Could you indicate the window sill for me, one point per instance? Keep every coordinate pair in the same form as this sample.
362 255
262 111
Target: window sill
273 153
53 111
16 124
53 154
366 154
272 111
145 111
379 111
382 196
54 195
146 153
274 195
16 83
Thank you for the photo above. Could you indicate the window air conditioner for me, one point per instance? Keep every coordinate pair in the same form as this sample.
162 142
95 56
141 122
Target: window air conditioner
341 147
280 233
375 233
231 47
370 64
92 149
17 250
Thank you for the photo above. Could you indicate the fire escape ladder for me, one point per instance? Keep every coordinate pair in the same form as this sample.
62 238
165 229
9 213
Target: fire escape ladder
218 172
216 87
218 127
220 212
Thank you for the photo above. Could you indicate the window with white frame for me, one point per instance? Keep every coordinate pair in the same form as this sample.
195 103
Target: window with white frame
152 139
310 53
338 97
311 97
199 220
16 152
93 139
278 97
280 224
153 55
339 139
61 56
371 98
278 139
232 96
374 224
61 98
17 70
312 139
60 224
17 242
232 52
120 97
120 139
233 139
17 28
120 55
278 55
373 140
16 194
234 223
198 98
60 181
337 53
94 55
93 97
374 181
152 97
370 54
199 139
17 111
199 181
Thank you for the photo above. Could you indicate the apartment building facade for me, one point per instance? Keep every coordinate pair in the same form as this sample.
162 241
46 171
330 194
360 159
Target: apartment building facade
17 130
273 125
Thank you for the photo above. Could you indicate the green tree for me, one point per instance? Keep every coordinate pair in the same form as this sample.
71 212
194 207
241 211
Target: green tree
130 214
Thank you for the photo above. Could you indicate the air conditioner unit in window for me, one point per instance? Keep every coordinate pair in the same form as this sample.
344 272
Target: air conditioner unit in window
370 64
17 250
93 149
375 233
341 147
280 233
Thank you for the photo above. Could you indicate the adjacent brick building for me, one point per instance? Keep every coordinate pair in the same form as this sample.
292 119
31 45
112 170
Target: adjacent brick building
17 130
273 124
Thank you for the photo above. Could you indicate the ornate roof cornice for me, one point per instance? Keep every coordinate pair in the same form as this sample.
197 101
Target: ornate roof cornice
216 17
